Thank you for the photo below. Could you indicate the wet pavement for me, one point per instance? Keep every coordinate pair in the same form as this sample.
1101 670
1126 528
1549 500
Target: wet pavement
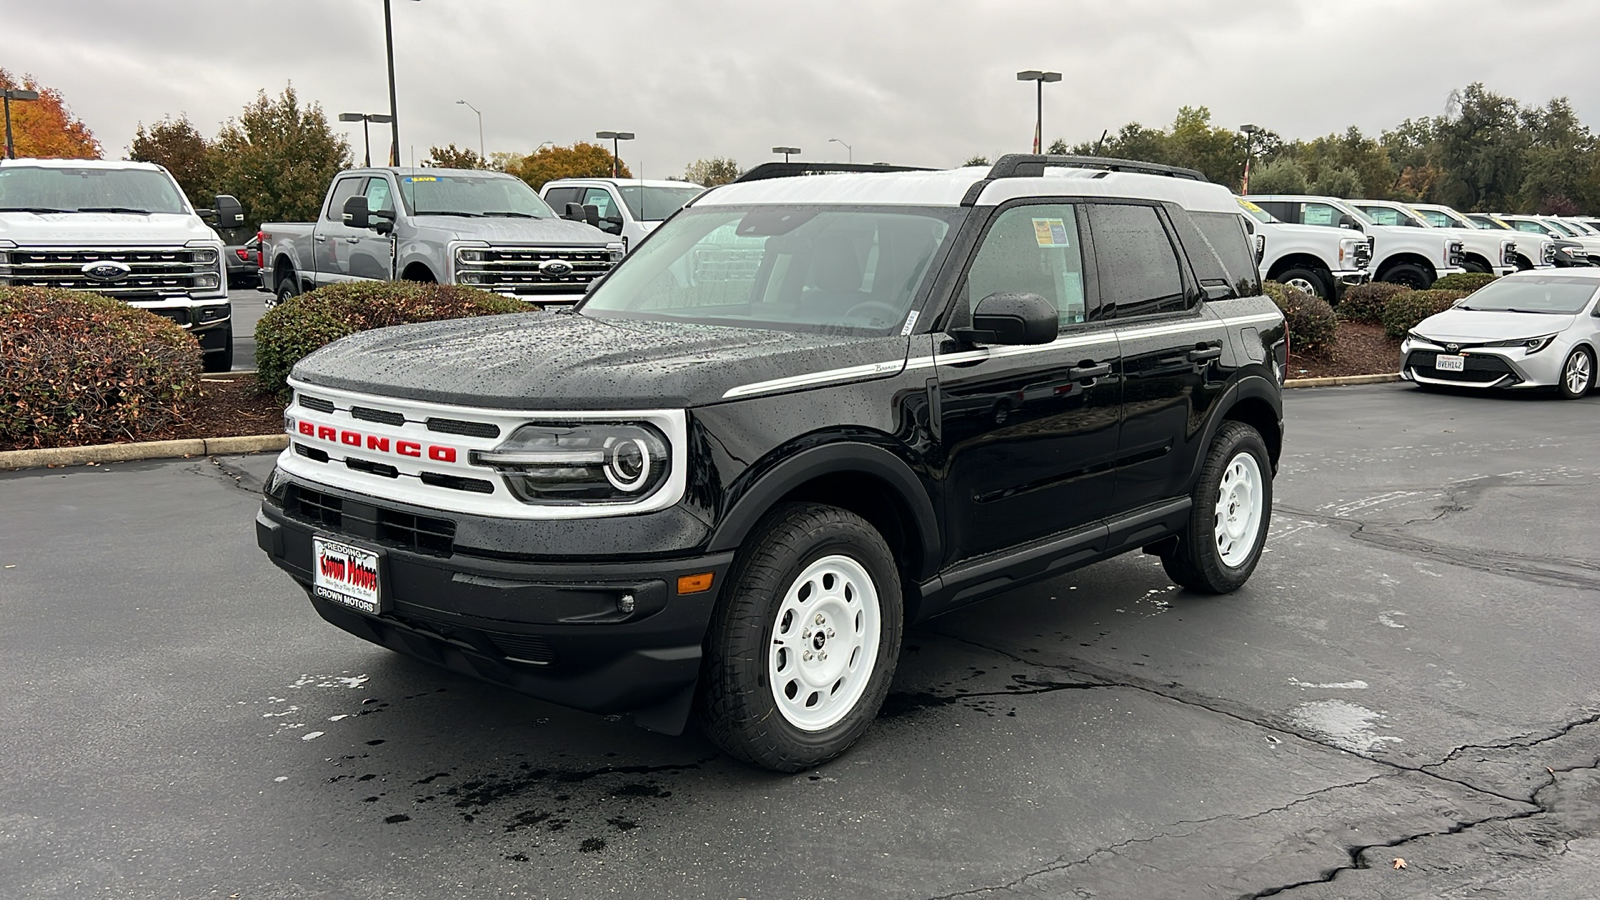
1410 675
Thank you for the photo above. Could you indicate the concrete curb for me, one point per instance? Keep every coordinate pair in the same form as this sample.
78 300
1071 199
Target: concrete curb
107 453
1341 380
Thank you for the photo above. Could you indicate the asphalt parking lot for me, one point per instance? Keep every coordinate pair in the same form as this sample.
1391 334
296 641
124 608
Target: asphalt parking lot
1410 675
249 305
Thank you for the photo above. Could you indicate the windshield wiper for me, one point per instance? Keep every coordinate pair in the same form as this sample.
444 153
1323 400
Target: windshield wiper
114 209
34 209
514 215
448 212
1540 312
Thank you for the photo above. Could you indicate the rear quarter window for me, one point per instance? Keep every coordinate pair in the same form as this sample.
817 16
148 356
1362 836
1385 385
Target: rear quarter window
1225 254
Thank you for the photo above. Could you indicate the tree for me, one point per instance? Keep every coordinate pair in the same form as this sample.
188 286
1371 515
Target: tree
45 128
1340 182
581 160
278 158
712 172
1280 176
178 145
979 160
453 158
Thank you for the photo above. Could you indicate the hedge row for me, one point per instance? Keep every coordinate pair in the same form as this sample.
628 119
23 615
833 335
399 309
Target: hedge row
1404 311
79 368
1313 328
290 331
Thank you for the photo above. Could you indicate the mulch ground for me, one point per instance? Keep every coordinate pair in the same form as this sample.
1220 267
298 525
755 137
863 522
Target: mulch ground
1361 349
231 408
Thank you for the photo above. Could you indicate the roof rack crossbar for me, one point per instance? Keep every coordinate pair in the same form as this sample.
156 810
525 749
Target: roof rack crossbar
1031 165
793 169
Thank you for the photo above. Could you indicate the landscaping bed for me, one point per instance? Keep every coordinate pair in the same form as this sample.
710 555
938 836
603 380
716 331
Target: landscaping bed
1359 349
224 408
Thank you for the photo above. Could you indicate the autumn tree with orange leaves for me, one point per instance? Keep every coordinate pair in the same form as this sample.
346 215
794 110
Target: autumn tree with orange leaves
45 128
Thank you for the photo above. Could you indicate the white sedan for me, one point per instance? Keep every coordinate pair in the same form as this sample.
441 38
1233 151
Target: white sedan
1534 329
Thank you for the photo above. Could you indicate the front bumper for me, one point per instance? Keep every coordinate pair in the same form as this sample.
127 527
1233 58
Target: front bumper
552 629
1351 277
1484 367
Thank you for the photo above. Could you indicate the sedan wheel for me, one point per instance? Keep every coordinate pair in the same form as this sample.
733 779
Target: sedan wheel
1577 374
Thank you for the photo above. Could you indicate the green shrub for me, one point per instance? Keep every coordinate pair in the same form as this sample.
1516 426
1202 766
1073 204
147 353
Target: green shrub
79 368
1313 328
1464 281
1404 311
1364 302
290 332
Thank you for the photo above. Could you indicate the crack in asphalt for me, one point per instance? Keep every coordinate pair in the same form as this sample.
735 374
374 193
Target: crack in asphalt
236 477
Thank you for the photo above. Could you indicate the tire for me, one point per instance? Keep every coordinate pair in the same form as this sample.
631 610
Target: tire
1237 471
1308 280
288 287
769 695
1577 374
1408 275
1523 263
1473 265
220 360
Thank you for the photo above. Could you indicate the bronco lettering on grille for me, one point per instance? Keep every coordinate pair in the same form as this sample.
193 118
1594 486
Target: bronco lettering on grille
413 449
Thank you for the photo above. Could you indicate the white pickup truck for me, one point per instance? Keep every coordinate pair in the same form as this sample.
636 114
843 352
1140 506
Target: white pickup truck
451 226
1533 251
1481 251
1414 257
122 229
628 207
1314 259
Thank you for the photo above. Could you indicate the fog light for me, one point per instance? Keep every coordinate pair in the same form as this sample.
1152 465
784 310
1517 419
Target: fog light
205 281
626 605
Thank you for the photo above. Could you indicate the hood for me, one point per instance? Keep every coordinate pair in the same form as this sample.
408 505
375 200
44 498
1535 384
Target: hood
505 230
550 361
1470 326
29 229
1320 231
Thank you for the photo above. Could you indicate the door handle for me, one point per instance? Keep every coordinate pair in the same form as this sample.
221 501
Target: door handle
1088 369
354 240
1204 354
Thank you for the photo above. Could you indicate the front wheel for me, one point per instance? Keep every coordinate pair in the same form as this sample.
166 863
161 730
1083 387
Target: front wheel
1408 275
1577 374
1219 548
803 646
1307 281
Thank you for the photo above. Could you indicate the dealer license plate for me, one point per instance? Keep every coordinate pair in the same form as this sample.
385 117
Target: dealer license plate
345 574
1444 362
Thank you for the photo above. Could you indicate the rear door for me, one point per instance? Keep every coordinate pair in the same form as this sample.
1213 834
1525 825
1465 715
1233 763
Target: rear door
1029 432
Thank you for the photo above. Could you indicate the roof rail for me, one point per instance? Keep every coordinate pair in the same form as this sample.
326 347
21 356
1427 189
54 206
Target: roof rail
792 169
1031 165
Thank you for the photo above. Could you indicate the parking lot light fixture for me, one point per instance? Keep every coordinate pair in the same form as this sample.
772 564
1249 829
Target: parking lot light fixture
850 153
365 119
1039 78
1250 132
481 154
786 151
10 95
614 137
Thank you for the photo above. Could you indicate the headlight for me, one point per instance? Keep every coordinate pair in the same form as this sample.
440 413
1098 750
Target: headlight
1531 345
467 255
581 463
616 251
204 256
206 281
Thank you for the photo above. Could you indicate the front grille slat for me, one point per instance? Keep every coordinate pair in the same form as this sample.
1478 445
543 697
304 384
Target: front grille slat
424 534
468 429
382 416
517 268
316 403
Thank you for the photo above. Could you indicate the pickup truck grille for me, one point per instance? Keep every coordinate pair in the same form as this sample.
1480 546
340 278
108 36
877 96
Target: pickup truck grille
1363 254
536 271
128 274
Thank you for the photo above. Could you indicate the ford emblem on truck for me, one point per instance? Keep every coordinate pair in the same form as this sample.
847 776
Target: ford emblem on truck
107 270
555 268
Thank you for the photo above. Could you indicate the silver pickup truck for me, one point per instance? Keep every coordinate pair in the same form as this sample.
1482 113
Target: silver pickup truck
452 226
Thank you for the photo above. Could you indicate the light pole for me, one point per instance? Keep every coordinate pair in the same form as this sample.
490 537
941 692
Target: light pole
480 127
1039 78
850 153
614 137
365 119
786 151
394 114
1250 132
10 95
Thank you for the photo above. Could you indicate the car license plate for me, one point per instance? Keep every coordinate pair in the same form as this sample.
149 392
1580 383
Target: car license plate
345 574
1444 362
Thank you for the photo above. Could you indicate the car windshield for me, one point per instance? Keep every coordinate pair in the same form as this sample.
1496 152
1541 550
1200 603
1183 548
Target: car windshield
650 203
54 189
1558 227
1394 215
466 194
1533 293
836 270
1440 219
1256 212
1579 227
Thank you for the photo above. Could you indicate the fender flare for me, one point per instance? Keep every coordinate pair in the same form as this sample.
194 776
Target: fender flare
795 470
1252 386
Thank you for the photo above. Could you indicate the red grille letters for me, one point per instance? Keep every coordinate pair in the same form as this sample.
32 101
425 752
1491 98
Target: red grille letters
377 443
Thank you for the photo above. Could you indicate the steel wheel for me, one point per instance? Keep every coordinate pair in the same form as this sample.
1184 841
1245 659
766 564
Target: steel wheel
1577 374
1238 511
824 643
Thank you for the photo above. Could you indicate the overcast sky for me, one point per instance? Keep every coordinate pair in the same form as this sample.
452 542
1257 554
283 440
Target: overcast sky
907 81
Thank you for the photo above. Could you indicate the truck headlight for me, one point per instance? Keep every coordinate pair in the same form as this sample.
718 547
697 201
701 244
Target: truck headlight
469 255
206 280
581 463
204 256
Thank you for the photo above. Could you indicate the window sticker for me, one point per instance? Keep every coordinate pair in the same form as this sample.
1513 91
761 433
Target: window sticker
411 178
911 322
1051 233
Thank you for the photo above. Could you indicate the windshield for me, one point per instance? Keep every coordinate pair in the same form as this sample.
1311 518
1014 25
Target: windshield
51 189
463 194
836 270
1391 215
1558 227
1583 228
652 204
1533 293
1491 223
1256 212
1440 219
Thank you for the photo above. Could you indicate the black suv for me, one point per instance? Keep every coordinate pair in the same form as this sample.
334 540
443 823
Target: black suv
809 410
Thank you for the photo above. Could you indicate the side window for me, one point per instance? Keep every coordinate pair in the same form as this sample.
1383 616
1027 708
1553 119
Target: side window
1282 211
602 200
1531 227
1136 262
343 190
1032 250
1225 244
1383 215
1318 214
379 196
559 197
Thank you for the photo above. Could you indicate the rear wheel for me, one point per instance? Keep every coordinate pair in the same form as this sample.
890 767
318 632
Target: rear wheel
803 645
288 288
1307 281
1577 374
1219 548
1408 275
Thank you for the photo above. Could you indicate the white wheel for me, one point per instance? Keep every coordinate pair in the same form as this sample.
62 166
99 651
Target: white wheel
1237 518
824 643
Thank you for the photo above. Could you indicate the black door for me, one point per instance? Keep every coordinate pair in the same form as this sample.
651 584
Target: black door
1030 432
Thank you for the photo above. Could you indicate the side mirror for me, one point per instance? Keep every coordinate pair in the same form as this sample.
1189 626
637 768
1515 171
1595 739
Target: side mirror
230 214
573 212
382 221
1349 221
591 214
611 225
356 214
1011 319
